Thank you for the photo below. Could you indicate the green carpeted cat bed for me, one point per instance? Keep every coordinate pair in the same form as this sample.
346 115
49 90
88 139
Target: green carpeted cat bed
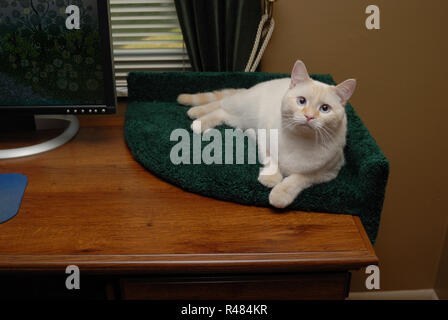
153 114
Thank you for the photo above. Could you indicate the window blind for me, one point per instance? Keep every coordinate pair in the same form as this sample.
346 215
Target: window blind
146 36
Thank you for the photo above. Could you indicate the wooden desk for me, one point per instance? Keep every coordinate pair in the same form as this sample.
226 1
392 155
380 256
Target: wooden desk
90 204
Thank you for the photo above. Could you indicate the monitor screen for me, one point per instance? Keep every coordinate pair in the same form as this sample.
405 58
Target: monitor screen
55 56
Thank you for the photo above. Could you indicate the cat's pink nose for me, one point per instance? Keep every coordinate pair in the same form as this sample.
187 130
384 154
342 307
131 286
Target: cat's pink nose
308 118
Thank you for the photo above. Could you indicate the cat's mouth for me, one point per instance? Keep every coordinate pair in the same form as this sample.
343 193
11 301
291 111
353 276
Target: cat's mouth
307 125
298 124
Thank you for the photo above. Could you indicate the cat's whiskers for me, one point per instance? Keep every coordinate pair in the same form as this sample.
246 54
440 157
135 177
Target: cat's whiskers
289 122
325 134
329 135
316 137
319 137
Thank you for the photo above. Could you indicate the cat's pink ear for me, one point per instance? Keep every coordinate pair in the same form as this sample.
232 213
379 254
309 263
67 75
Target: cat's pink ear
298 74
345 90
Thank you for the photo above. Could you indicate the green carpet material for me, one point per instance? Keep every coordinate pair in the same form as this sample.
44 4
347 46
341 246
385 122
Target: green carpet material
153 114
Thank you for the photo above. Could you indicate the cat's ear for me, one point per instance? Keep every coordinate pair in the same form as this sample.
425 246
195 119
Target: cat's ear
298 74
345 90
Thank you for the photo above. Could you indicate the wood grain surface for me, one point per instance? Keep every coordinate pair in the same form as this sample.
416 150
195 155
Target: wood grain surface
89 203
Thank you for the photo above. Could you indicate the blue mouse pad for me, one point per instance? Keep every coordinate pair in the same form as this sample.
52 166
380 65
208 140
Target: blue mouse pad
12 187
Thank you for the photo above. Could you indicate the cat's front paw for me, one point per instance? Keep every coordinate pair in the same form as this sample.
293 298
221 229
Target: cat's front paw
185 99
196 127
270 180
194 113
280 197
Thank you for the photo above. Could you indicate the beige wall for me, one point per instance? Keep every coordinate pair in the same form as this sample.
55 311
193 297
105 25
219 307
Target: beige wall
402 78
442 276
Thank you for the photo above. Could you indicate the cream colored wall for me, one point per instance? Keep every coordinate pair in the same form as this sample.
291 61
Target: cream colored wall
442 276
402 79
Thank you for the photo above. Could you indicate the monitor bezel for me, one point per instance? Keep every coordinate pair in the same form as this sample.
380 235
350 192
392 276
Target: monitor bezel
110 98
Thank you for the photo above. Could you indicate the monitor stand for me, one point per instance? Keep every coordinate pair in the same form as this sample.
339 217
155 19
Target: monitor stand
41 122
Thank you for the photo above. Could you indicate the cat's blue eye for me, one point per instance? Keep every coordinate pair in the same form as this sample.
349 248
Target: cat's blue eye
325 108
301 101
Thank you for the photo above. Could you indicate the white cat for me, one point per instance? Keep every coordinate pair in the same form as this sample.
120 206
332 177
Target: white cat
310 118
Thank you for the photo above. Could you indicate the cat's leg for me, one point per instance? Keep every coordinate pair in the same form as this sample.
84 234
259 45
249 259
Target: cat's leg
270 175
284 193
205 97
199 111
209 121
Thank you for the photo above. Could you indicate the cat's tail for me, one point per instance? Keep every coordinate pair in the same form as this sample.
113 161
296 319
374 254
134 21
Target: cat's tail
205 97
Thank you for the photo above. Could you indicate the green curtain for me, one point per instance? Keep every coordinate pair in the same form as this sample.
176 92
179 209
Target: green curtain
219 34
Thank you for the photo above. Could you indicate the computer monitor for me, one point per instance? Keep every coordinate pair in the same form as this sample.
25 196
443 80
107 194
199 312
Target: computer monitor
55 59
